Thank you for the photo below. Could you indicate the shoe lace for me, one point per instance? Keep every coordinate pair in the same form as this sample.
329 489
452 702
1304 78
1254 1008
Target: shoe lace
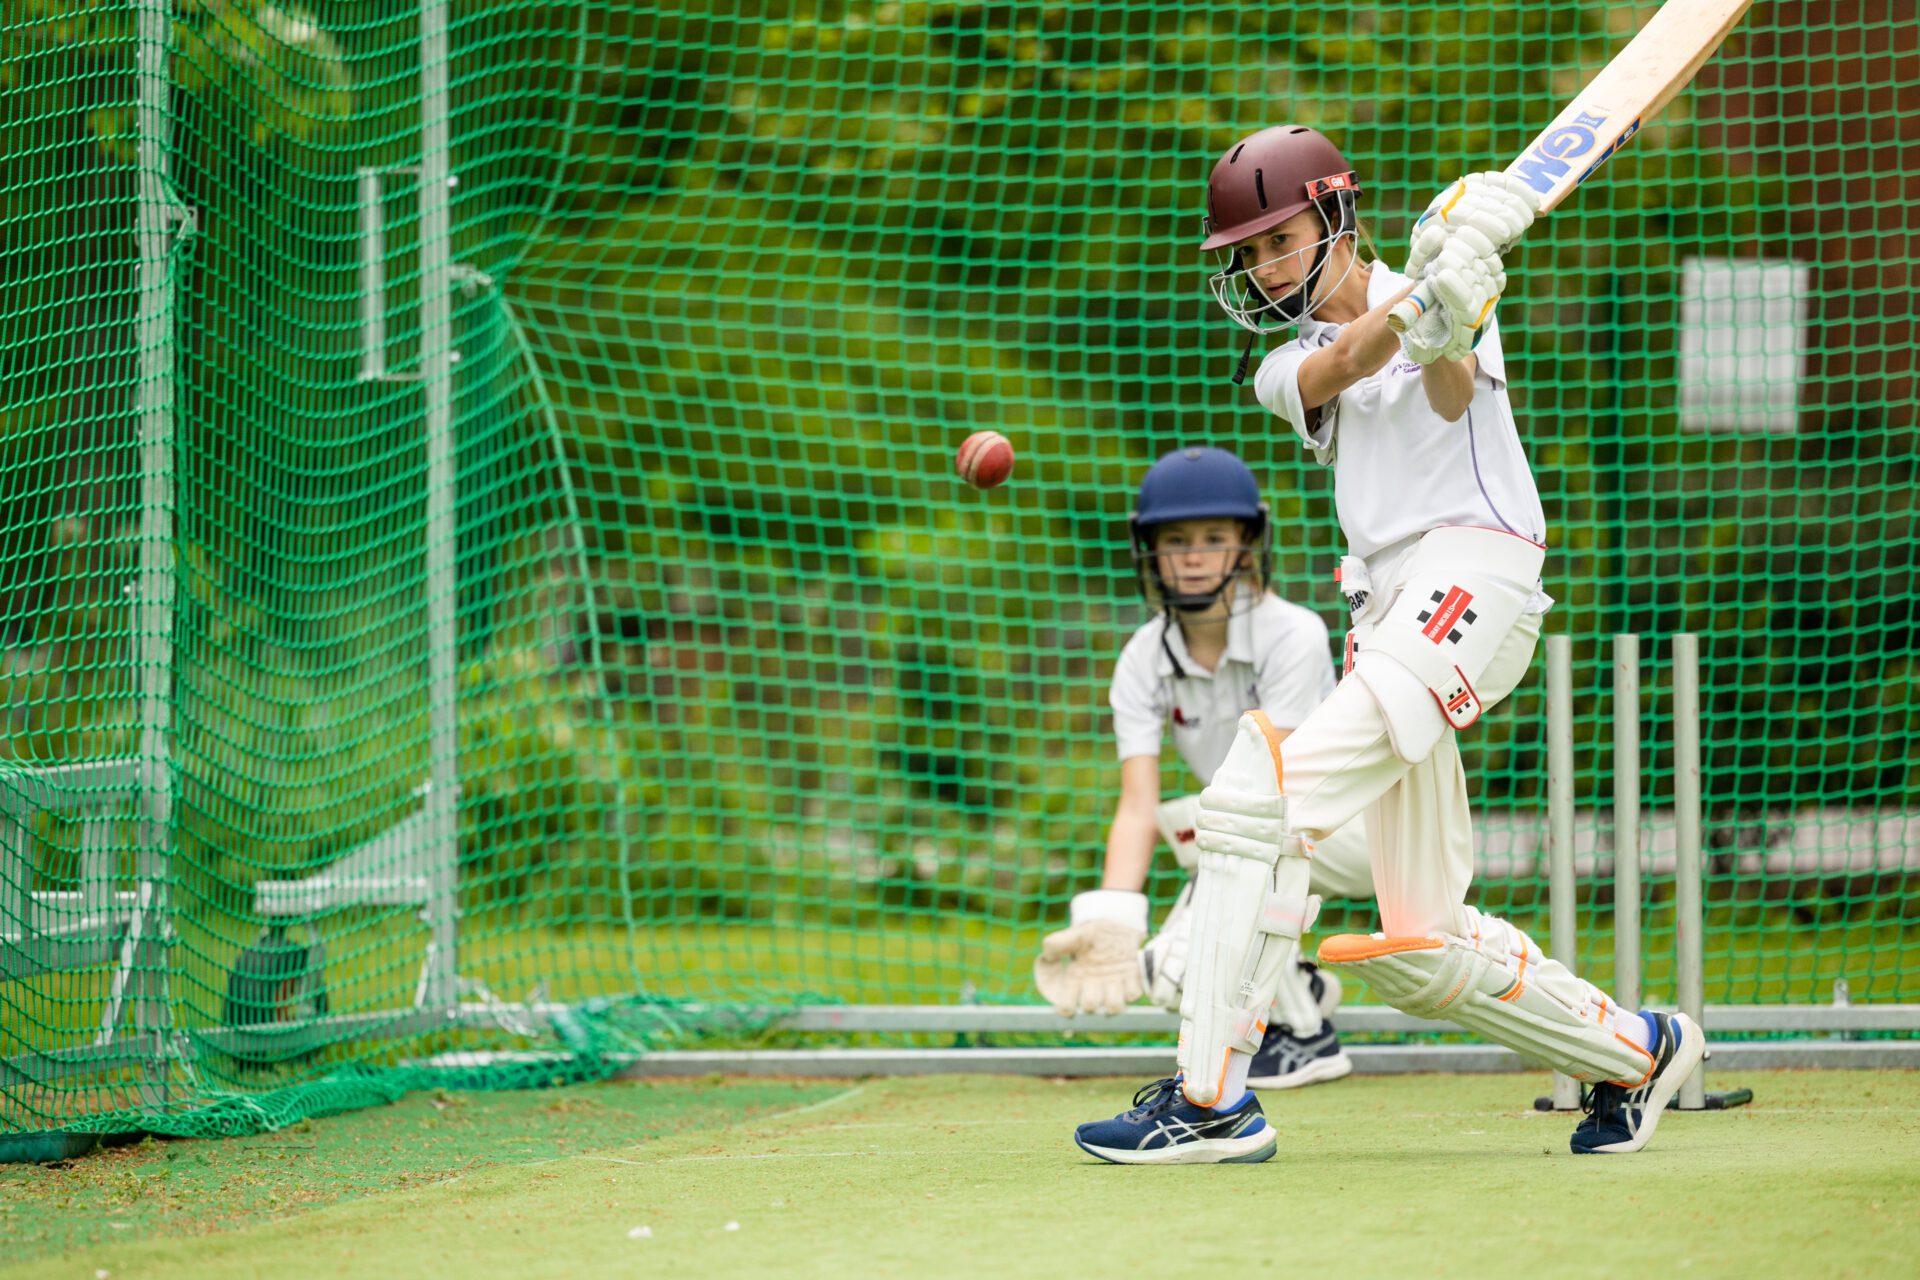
1157 1096
1602 1101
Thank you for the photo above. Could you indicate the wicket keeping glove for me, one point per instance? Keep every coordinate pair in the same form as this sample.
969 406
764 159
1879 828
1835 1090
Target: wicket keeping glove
1093 965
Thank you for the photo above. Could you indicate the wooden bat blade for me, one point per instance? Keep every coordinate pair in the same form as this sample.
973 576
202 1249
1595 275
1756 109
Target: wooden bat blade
1642 78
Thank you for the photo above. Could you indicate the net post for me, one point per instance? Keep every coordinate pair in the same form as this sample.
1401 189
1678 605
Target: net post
373 276
159 216
439 989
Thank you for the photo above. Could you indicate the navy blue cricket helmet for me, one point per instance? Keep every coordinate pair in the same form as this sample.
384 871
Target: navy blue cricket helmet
1199 484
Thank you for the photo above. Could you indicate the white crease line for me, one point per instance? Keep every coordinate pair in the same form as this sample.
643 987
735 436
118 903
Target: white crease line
744 1155
821 1105
789 1155
836 1099
941 1124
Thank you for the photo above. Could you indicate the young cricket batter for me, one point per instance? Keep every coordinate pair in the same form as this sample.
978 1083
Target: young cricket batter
1446 543
1222 643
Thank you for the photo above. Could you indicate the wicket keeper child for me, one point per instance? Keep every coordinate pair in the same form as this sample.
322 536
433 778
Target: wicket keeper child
1222 643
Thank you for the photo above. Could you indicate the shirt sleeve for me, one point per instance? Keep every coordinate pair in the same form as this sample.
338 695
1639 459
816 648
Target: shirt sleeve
1491 360
1138 717
1276 383
1295 674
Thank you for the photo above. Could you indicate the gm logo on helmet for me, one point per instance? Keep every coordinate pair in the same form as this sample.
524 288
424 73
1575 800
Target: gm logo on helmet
1551 157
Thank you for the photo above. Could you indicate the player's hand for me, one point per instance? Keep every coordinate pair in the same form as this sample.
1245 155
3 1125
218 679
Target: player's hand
1460 290
1093 965
1427 339
1496 205
1466 280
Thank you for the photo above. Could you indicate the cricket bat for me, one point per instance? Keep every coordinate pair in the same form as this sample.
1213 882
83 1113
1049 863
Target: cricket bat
1642 78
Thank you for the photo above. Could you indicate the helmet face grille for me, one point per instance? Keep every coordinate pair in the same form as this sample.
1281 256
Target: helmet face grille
1253 563
1252 307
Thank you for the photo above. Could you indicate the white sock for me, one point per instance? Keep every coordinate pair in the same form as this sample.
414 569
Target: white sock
1234 1085
1631 1026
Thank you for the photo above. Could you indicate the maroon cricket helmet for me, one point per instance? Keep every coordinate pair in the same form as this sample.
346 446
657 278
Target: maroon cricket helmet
1267 177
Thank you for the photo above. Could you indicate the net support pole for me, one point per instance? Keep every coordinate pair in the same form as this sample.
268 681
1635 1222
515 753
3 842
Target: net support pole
158 217
1565 922
1626 820
373 277
437 360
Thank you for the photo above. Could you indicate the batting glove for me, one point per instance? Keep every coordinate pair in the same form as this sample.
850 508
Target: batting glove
1498 206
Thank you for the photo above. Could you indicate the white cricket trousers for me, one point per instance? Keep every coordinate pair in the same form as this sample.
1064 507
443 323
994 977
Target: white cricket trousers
1340 764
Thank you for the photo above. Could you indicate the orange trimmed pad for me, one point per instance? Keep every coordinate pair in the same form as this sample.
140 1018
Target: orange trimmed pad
1352 948
1273 747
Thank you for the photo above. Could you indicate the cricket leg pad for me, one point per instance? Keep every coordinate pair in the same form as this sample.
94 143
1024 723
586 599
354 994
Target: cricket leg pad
1250 905
1497 984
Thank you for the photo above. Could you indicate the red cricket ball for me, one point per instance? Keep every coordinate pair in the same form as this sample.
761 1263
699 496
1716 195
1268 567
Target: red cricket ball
985 459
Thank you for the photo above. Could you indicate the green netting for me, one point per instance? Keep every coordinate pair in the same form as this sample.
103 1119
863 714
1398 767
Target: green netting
478 532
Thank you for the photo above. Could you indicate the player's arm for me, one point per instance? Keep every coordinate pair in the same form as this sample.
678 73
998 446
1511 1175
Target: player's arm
1093 965
1449 385
1131 838
1364 348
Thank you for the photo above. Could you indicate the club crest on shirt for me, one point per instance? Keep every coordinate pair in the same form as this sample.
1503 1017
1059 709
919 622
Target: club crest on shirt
1181 720
1449 617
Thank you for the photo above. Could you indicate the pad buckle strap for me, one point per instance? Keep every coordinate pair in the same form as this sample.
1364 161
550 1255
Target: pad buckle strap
1281 918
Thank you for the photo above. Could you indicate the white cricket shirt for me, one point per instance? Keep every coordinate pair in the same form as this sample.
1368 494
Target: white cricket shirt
1400 470
1278 660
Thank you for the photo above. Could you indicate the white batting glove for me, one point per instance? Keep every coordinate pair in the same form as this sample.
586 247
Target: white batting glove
1460 288
1093 965
1426 340
1496 205
1467 279
1461 339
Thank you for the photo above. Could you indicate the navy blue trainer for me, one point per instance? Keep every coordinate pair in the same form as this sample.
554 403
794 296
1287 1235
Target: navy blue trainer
1620 1118
1164 1128
1287 1061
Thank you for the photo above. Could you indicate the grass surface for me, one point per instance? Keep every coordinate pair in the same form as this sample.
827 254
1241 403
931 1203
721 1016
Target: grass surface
187 1189
975 1176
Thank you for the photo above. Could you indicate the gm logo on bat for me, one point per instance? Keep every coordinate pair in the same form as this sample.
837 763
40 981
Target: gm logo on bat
1548 161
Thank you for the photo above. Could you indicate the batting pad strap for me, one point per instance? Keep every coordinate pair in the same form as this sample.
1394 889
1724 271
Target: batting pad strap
1286 916
1499 987
1354 948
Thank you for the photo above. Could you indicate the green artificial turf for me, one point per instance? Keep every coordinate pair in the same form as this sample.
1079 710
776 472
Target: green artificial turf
977 1176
